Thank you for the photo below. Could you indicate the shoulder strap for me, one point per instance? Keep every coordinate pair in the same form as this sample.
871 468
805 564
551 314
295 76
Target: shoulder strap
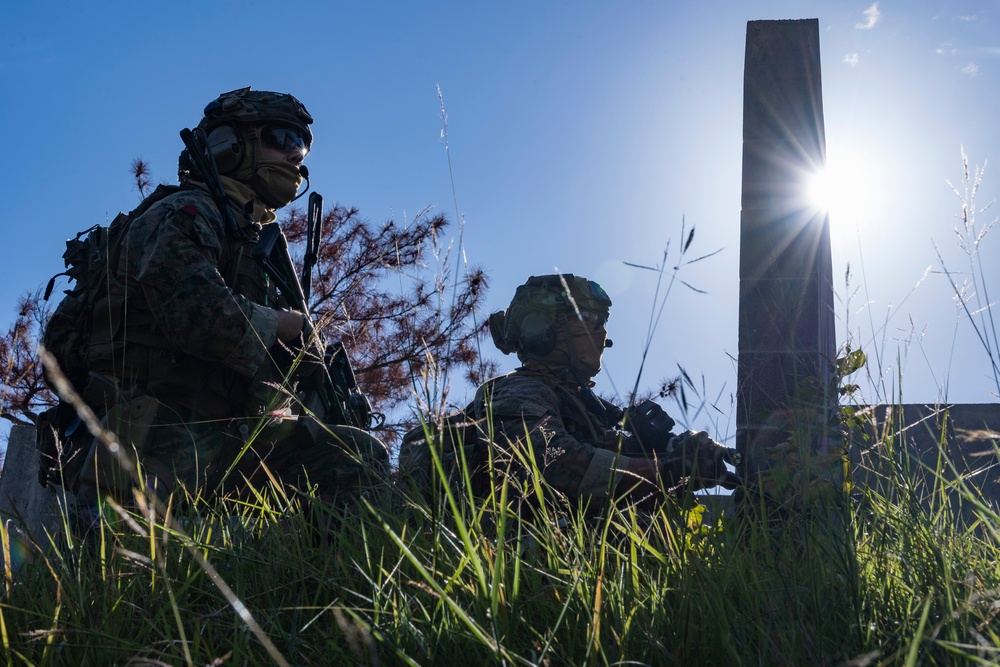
119 226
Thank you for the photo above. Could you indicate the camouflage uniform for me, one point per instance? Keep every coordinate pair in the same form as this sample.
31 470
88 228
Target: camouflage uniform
546 411
187 367
191 342
574 438
548 403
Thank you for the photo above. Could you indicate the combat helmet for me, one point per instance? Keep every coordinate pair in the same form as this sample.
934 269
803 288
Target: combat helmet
528 325
228 119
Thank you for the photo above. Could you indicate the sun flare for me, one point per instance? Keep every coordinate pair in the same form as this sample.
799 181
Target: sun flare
845 188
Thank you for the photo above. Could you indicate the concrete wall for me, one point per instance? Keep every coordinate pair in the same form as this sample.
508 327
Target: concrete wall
30 513
909 441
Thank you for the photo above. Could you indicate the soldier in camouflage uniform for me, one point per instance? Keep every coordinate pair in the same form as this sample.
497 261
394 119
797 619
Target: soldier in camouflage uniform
194 353
586 448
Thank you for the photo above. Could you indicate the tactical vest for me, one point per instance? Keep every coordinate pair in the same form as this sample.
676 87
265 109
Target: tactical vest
587 423
128 345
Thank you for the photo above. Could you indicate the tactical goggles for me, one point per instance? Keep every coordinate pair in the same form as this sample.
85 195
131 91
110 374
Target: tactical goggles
286 140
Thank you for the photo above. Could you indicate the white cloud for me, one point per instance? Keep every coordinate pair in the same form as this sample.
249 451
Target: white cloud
968 18
972 69
851 59
872 15
990 51
945 49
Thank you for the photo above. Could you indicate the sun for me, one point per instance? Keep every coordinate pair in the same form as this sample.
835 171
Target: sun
846 188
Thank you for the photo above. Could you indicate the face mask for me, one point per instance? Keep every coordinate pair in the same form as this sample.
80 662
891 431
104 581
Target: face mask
588 348
240 194
277 182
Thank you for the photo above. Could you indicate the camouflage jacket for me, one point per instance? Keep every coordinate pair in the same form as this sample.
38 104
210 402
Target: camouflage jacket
189 316
577 448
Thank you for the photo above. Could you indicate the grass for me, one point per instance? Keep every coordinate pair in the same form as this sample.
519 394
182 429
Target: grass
900 570
894 580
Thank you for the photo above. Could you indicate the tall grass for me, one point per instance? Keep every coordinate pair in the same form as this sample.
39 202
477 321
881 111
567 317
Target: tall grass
904 573
970 285
517 579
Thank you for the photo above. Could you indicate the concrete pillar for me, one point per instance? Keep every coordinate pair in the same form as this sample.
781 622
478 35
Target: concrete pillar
29 512
786 318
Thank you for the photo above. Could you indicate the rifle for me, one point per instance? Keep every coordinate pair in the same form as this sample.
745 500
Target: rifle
314 232
333 396
197 147
653 427
339 398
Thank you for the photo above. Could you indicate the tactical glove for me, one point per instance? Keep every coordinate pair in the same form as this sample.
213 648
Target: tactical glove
302 355
650 425
310 355
694 458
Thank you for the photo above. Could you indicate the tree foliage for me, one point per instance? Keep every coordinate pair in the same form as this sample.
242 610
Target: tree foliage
389 291
24 393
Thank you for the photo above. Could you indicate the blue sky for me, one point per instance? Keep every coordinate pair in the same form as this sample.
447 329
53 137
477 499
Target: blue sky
580 135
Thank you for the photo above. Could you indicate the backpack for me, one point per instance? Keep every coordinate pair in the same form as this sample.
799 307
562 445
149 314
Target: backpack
88 257
456 438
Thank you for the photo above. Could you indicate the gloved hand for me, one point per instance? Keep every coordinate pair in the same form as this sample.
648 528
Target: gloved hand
310 354
696 456
650 425
300 350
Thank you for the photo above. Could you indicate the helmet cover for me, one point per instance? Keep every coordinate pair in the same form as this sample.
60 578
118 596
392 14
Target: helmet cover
257 107
539 302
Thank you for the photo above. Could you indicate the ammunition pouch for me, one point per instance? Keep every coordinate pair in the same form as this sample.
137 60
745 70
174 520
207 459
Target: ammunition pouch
130 421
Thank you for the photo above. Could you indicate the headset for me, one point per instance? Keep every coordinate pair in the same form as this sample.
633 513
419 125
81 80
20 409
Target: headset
537 333
227 148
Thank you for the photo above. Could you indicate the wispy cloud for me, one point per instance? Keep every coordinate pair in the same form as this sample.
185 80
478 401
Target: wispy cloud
968 18
872 16
972 69
945 49
851 59
992 51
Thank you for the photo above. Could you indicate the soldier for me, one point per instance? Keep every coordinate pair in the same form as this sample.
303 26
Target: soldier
195 357
586 448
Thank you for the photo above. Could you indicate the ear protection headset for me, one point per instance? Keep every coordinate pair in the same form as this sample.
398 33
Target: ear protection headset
535 332
227 148
530 323
228 119
538 333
